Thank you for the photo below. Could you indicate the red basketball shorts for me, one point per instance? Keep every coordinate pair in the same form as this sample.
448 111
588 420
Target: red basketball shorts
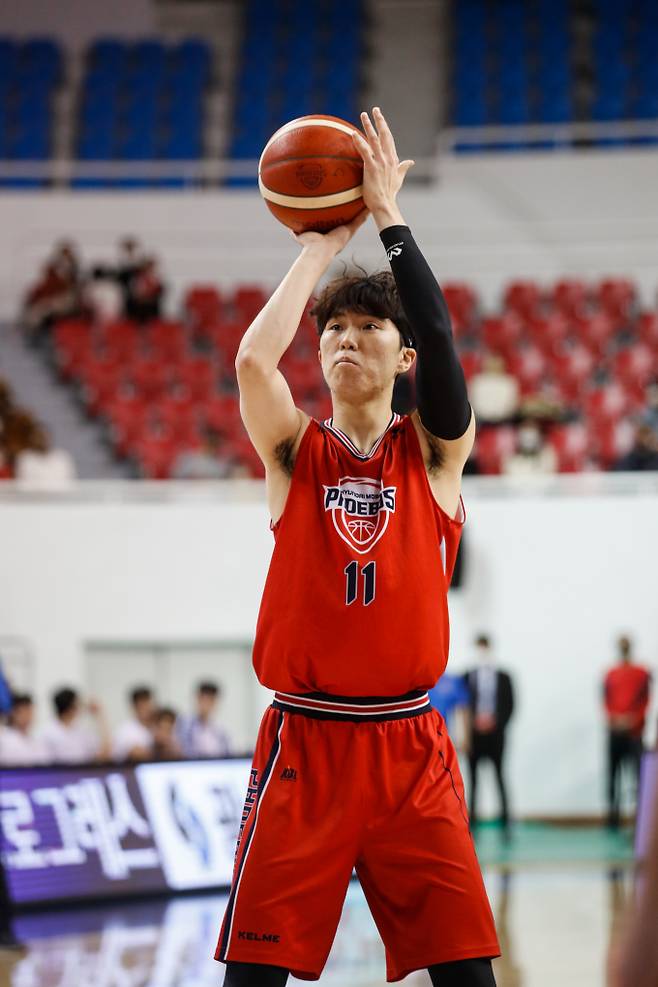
371 784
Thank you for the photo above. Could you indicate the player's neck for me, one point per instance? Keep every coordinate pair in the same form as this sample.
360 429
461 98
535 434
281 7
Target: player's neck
363 423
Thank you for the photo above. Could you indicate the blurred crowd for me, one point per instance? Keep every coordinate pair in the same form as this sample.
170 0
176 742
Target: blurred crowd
496 400
129 287
26 449
78 731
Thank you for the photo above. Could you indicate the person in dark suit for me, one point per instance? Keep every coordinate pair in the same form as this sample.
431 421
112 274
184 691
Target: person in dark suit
491 703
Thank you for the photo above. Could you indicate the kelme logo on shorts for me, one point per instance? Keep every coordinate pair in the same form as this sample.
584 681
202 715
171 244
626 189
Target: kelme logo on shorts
360 508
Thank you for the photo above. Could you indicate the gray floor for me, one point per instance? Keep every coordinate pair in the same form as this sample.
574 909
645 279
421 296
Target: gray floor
554 926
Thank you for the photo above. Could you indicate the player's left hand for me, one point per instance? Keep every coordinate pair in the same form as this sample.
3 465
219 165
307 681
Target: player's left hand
383 172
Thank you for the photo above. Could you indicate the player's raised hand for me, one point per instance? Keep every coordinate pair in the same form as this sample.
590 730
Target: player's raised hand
383 172
335 240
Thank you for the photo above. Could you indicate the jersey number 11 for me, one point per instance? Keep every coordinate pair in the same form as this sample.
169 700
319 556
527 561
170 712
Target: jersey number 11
352 590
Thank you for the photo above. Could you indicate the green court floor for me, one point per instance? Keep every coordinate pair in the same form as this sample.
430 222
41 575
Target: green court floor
543 843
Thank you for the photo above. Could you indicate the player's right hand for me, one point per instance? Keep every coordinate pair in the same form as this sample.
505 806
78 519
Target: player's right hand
335 240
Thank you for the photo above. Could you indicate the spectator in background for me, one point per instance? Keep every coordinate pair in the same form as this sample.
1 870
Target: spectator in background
533 456
649 416
6 471
18 745
494 393
491 702
41 467
66 740
133 739
130 258
103 296
203 463
145 293
200 735
166 746
55 295
451 698
644 453
626 690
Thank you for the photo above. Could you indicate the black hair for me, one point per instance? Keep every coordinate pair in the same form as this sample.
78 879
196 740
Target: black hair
368 294
64 701
20 699
208 688
483 640
139 693
165 713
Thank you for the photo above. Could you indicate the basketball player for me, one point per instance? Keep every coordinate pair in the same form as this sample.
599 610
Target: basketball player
353 767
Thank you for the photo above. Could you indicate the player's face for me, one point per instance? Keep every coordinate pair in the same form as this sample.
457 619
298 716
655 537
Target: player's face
361 354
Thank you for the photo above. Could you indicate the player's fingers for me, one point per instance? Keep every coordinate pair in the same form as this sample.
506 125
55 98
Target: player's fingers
385 135
372 135
363 147
404 167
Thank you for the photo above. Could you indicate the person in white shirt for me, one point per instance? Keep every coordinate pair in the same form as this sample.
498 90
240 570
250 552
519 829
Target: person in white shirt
41 467
18 745
533 456
133 739
494 393
200 735
68 741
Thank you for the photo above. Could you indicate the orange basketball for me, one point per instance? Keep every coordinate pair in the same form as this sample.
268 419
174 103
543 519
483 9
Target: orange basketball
310 174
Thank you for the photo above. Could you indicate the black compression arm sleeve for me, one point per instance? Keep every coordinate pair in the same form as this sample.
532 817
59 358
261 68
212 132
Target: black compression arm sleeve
441 388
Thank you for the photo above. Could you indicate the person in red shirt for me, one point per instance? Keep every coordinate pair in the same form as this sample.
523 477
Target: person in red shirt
353 768
626 691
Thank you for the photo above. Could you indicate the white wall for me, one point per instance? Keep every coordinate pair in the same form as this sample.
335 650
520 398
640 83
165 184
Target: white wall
75 22
554 578
489 218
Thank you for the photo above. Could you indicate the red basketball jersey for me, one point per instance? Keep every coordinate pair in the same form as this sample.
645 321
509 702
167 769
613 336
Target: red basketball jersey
355 601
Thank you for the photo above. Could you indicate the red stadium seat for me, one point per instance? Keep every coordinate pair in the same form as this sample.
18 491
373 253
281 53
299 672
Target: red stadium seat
73 343
179 418
635 366
128 421
223 414
549 332
493 446
500 335
606 404
156 456
101 384
572 446
471 361
524 298
570 297
203 307
150 378
247 301
122 339
528 365
226 338
611 440
647 329
596 331
198 376
166 340
243 452
617 297
462 302
573 367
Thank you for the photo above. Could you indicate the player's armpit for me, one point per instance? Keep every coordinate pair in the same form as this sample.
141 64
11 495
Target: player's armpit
446 454
268 410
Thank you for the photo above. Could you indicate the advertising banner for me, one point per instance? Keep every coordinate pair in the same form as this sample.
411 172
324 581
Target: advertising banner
69 833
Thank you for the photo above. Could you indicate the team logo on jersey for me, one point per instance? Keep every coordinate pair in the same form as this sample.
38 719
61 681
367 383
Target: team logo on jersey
360 508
